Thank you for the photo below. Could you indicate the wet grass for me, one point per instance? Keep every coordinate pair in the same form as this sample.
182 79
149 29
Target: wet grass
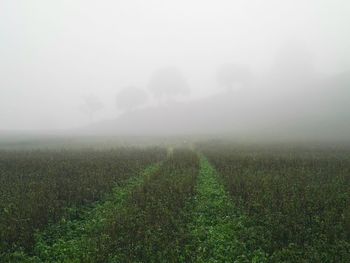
220 233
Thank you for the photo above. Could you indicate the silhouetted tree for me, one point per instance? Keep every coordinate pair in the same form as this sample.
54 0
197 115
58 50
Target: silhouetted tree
91 105
168 83
231 75
130 98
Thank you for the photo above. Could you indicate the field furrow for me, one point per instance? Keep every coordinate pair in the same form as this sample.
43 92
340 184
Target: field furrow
152 227
142 221
39 188
78 240
208 202
297 199
217 227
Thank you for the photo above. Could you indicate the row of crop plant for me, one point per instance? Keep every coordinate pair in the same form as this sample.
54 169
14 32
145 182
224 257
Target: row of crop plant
298 197
40 187
178 211
243 205
142 221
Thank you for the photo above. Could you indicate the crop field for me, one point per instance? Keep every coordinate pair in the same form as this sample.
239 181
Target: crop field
206 201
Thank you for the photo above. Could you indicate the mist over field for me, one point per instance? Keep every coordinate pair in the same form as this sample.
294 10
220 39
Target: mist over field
174 131
269 69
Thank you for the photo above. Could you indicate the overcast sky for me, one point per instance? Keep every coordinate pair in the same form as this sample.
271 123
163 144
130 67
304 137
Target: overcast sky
53 53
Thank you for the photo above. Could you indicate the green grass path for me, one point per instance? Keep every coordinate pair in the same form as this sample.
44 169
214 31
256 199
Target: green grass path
77 240
212 230
217 228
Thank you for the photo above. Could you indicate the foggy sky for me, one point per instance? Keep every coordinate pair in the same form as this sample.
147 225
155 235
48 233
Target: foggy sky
53 54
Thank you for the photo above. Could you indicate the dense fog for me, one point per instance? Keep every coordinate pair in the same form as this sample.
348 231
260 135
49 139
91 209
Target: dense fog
273 68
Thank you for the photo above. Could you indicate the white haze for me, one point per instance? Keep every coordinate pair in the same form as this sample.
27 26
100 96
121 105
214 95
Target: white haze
56 54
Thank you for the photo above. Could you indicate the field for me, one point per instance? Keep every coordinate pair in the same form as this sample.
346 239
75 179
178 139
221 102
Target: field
208 201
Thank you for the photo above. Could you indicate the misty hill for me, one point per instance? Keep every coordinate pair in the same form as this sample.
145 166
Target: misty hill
317 108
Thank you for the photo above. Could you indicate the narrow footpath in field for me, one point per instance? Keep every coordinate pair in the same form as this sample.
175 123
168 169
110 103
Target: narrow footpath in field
175 211
144 220
78 240
220 233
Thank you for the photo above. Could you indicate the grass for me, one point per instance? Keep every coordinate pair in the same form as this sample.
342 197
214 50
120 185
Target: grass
298 198
144 220
38 188
152 227
217 226
224 204
76 240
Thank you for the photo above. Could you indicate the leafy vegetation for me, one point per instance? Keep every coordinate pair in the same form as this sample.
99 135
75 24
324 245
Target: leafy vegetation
228 203
152 227
41 187
80 239
300 199
220 233
144 220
